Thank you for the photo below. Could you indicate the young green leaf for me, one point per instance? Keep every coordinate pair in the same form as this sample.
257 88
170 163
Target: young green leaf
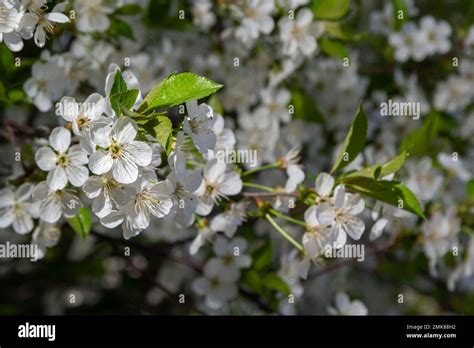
273 282
81 223
400 13
120 96
160 127
333 48
394 165
263 256
391 192
354 142
418 141
330 9
177 89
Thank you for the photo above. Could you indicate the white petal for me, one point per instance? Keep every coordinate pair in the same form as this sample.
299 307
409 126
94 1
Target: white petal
100 162
124 130
339 196
70 204
40 36
77 175
23 223
7 198
50 210
23 192
232 184
57 179
124 170
77 156
140 152
57 17
60 139
45 158
113 219
324 184
214 170
93 186
354 227
7 216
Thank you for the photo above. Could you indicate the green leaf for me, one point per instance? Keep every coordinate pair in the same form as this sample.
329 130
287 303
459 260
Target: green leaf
81 223
376 171
160 127
215 104
354 142
304 108
418 141
253 280
177 89
263 256
470 188
333 48
394 165
120 96
130 9
3 96
330 9
391 192
399 5
119 27
273 282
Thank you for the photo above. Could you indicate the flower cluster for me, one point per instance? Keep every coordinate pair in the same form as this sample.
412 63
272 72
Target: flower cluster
237 198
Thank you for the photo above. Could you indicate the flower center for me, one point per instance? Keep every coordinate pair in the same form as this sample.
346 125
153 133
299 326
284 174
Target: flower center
83 121
62 160
115 149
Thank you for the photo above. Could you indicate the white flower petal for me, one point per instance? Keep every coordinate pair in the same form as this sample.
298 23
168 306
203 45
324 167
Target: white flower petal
139 152
324 184
77 175
100 162
60 139
57 179
45 158
124 170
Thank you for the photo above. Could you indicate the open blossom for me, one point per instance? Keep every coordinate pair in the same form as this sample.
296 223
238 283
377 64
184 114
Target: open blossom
320 232
184 200
46 22
255 18
82 115
216 288
150 199
198 125
63 163
54 203
92 15
299 34
10 19
230 257
217 183
203 17
275 104
230 220
440 234
348 206
406 43
106 192
46 84
119 151
17 208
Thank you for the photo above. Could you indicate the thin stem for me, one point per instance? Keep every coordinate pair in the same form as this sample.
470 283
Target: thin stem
287 218
284 233
258 169
258 186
